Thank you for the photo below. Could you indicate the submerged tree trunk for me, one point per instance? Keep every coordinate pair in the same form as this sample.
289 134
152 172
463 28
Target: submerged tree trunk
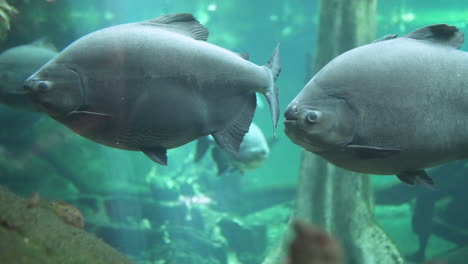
343 25
341 202
335 199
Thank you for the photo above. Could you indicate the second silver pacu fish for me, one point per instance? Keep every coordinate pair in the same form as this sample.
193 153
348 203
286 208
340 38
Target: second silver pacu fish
396 106
154 85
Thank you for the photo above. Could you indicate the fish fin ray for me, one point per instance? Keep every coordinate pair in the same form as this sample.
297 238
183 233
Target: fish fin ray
439 33
272 92
157 154
413 177
184 23
369 152
230 137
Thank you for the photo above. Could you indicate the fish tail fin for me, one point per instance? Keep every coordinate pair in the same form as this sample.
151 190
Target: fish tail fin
271 93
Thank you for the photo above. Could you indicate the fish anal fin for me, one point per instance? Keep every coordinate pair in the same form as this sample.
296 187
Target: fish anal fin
414 177
183 23
157 154
369 152
439 33
230 137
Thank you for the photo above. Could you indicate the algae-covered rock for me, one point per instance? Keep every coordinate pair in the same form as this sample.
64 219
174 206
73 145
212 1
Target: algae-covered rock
37 235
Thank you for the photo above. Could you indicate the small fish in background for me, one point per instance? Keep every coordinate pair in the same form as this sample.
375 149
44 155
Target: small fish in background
154 85
254 150
393 107
16 65
68 213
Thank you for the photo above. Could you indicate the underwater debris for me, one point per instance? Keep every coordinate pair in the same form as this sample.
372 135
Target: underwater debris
68 213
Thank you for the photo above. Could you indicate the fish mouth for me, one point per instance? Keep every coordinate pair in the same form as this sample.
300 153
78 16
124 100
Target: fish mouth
291 114
290 122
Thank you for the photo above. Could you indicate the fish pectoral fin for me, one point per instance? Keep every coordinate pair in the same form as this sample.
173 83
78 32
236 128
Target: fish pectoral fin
183 23
368 152
221 159
230 137
157 154
413 177
439 33
203 144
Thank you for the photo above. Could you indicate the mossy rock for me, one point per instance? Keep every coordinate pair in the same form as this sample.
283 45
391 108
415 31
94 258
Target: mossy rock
37 235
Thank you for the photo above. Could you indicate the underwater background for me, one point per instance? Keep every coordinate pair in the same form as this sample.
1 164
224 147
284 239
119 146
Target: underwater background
185 212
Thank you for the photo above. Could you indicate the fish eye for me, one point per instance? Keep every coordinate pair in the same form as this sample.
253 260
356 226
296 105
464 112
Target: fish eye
42 87
313 117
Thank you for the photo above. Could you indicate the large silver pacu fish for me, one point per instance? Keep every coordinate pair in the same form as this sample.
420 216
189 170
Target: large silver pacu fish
396 106
154 85
16 65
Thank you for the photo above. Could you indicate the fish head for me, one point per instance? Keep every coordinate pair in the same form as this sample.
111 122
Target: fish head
319 125
254 156
56 89
254 149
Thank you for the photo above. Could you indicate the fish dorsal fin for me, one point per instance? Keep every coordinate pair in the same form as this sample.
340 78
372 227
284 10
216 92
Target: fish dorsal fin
44 43
230 137
386 37
244 55
440 33
183 23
